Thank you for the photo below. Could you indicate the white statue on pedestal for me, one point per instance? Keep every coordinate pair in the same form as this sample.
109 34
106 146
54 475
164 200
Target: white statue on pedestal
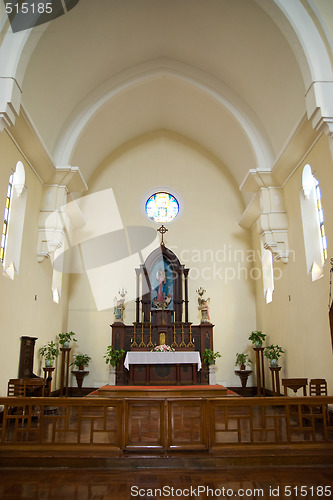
203 306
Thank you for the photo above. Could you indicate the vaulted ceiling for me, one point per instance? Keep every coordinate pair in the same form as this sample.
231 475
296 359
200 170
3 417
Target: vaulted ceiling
220 73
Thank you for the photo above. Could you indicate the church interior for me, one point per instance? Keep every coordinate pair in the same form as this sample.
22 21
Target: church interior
165 180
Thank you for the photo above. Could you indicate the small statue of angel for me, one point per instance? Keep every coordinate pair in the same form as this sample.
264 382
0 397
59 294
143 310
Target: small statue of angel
203 306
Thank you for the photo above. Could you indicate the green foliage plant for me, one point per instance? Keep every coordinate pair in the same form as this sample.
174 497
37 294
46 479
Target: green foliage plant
113 356
257 338
242 359
273 351
81 360
49 351
66 338
210 356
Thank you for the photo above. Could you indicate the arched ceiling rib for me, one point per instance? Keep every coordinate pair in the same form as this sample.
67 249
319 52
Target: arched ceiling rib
196 83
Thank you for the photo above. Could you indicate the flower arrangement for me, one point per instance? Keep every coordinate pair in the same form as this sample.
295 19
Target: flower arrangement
163 348
273 353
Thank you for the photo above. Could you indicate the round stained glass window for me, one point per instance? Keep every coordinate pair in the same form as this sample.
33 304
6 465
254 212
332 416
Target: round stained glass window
162 207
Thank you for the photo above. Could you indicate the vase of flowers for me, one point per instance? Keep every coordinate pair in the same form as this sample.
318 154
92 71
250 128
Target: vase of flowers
163 348
273 353
66 338
242 360
257 338
49 352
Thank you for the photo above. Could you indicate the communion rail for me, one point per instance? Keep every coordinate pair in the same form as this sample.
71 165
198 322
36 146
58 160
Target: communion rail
117 426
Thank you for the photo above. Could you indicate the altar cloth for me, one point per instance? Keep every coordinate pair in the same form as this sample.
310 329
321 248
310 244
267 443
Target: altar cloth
162 358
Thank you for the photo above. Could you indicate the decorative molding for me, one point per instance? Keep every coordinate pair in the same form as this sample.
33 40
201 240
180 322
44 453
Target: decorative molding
70 177
272 224
51 224
10 101
319 105
267 212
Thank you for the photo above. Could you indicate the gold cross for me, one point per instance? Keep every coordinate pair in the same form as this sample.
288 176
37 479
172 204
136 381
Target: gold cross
162 230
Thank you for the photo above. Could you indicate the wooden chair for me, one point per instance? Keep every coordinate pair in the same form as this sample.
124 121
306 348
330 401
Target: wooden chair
318 387
294 384
25 387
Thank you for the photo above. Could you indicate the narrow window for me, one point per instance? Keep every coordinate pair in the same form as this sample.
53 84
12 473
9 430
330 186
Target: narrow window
268 275
315 240
12 228
6 219
321 221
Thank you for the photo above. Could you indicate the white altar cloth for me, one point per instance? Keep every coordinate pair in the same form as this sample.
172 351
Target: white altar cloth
161 358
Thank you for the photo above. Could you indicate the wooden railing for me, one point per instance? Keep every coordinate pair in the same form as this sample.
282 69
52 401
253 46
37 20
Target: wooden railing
163 424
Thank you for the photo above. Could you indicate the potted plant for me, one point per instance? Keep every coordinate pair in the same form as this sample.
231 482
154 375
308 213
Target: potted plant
80 361
65 338
242 360
273 353
49 352
257 338
113 356
210 356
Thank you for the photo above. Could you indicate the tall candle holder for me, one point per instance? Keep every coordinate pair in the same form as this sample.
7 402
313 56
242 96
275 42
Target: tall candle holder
142 343
150 344
182 344
134 343
190 344
174 343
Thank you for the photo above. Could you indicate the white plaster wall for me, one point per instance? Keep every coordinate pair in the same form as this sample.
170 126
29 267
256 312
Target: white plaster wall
21 314
206 237
297 318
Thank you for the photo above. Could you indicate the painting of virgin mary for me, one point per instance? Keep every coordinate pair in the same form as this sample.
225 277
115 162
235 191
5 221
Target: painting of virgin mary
161 286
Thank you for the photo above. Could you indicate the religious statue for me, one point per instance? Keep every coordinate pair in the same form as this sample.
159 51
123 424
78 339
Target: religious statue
119 306
163 297
203 306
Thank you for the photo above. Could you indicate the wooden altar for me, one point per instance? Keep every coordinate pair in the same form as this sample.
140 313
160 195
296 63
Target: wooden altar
162 318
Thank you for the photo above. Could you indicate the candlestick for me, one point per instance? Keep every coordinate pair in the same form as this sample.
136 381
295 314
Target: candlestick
174 343
182 344
134 343
150 344
142 344
190 344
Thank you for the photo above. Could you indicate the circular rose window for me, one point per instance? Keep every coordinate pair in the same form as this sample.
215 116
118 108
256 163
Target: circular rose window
162 207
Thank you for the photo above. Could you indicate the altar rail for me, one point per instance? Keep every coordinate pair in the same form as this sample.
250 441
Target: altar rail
115 426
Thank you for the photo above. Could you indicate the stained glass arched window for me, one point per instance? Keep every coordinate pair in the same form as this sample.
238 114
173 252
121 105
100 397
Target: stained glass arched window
315 240
162 207
6 219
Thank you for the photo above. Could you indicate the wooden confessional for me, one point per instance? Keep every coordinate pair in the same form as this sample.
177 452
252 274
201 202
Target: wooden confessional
28 384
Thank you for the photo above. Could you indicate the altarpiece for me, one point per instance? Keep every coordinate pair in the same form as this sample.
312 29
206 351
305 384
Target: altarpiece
162 317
